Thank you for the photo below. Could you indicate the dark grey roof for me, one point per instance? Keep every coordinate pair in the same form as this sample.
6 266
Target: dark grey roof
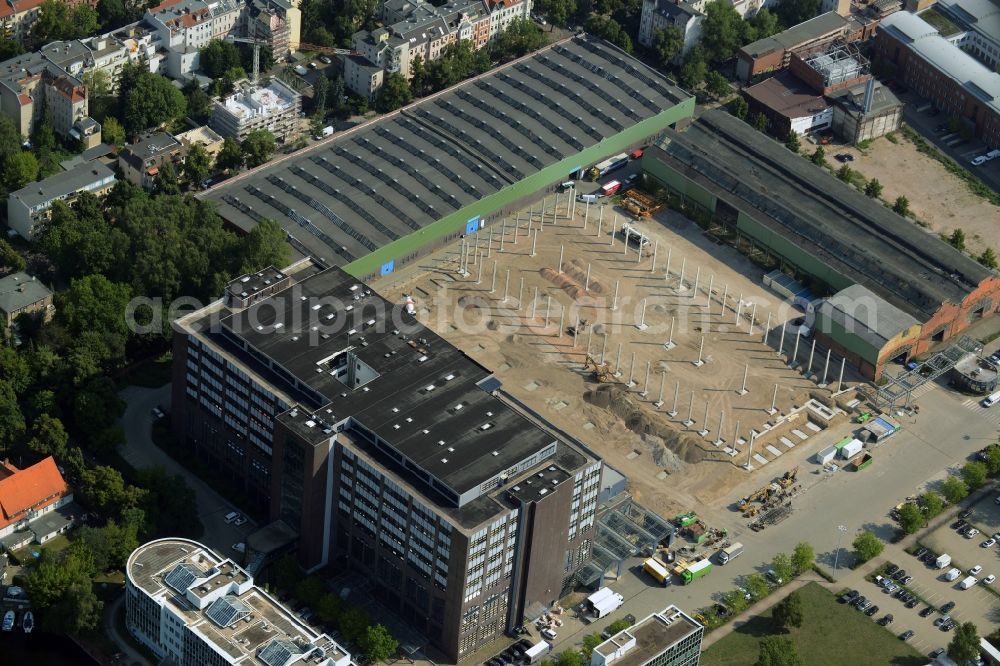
423 397
19 290
803 32
852 99
63 184
384 180
841 227
862 313
151 145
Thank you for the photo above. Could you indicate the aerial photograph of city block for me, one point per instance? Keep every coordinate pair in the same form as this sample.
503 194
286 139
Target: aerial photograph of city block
500 332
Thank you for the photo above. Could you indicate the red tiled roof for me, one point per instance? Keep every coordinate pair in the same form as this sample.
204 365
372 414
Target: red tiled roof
20 6
31 488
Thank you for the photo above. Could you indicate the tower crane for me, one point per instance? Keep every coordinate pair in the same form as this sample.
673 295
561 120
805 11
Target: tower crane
256 43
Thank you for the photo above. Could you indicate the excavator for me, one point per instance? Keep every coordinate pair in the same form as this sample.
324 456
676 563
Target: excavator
788 479
602 371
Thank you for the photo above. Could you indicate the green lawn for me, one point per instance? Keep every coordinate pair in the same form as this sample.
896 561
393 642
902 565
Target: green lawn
831 633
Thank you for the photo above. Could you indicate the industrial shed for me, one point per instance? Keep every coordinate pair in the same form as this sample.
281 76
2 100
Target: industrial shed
380 194
841 243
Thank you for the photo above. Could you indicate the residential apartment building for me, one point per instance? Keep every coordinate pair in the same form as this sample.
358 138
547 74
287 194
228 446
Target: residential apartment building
32 501
203 136
30 83
140 162
190 605
274 107
186 26
28 209
387 449
416 28
660 14
979 21
958 84
17 17
278 22
20 294
668 638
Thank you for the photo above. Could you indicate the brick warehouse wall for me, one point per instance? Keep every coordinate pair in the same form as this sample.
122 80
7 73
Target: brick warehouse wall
953 318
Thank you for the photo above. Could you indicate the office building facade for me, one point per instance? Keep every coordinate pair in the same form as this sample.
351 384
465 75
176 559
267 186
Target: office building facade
668 638
387 449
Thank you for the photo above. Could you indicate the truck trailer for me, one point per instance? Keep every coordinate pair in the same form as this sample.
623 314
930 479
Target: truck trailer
657 570
610 164
604 602
730 553
609 188
696 571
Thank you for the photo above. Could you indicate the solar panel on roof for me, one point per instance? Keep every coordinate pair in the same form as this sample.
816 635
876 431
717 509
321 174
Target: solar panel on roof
181 577
228 610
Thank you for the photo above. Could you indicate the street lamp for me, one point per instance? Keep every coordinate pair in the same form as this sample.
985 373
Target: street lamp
836 560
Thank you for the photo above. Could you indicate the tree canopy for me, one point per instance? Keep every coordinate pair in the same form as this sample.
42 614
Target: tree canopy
148 99
258 147
911 518
954 489
394 93
788 612
777 651
964 645
867 546
218 57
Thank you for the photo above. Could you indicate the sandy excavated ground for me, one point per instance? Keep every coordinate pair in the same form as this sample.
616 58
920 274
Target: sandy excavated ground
936 197
671 467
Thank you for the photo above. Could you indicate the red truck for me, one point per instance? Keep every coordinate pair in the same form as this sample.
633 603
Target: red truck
610 188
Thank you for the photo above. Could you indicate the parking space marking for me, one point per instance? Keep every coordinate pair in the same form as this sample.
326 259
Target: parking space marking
988 413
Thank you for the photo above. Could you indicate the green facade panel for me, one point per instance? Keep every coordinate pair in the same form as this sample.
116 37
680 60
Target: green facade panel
679 183
540 180
849 341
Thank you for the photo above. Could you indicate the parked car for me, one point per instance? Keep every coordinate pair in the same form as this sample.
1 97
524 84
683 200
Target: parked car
920 553
157 413
965 514
978 159
989 579
899 575
871 610
937 653
232 516
959 525
853 594
940 621
948 607
886 621
907 580
974 571
927 611
242 520
325 59
890 588
891 569
548 633
906 635
971 533
240 547
912 603
989 543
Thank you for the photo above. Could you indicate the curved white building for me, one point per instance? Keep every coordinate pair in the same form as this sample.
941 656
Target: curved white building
192 606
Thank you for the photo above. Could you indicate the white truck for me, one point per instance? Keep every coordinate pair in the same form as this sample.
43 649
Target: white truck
730 553
537 651
968 582
942 561
604 602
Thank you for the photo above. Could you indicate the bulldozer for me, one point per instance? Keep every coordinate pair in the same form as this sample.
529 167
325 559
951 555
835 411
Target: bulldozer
602 371
788 479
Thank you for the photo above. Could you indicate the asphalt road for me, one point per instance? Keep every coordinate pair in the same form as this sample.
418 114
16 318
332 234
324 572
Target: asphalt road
941 438
139 451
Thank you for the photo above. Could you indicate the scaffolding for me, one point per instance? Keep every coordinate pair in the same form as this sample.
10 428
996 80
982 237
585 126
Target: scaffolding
839 63
625 529
898 391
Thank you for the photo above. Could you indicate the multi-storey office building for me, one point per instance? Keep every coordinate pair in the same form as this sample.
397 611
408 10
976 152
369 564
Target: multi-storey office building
192 607
667 638
387 449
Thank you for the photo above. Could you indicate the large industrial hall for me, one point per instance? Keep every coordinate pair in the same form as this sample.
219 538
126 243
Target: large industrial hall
376 196
895 292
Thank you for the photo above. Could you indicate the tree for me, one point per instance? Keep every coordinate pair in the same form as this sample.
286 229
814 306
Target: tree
230 157
901 206
819 156
48 437
85 20
394 93
957 239
867 546
19 170
148 99
845 173
217 57
964 646
717 84
873 188
61 586
557 11
803 557
793 12
735 601
12 424
611 30
792 141
760 122
570 658
264 246
764 24
170 504
954 489
320 90
739 108
590 641
91 312
258 147
619 625
199 104
54 21
667 44
932 503
993 459
722 31
782 565
354 624
103 488
15 370
777 651
10 259
197 164
112 131
974 474
520 37
310 590
988 258
694 70
9 48
378 644
165 181
911 519
788 612
757 586
329 608
418 80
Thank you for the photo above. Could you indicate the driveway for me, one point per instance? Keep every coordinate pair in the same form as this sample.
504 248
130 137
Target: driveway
139 451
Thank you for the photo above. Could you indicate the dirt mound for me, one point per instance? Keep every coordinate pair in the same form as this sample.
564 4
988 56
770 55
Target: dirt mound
577 269
618 401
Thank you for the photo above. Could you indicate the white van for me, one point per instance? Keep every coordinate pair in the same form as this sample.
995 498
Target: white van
568 185
952 574
991 400
588 198
968 582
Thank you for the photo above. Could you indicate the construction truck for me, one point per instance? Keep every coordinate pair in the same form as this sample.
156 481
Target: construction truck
789 478
730 553
657 569
695 571
602 371
685 519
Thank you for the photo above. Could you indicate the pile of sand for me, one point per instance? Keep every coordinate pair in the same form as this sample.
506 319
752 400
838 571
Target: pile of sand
577 269
572 288
615 399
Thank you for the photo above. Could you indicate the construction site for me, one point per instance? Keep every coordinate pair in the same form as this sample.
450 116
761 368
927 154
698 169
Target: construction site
626 326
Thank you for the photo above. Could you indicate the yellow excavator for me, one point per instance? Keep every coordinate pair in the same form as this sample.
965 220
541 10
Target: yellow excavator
789 478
